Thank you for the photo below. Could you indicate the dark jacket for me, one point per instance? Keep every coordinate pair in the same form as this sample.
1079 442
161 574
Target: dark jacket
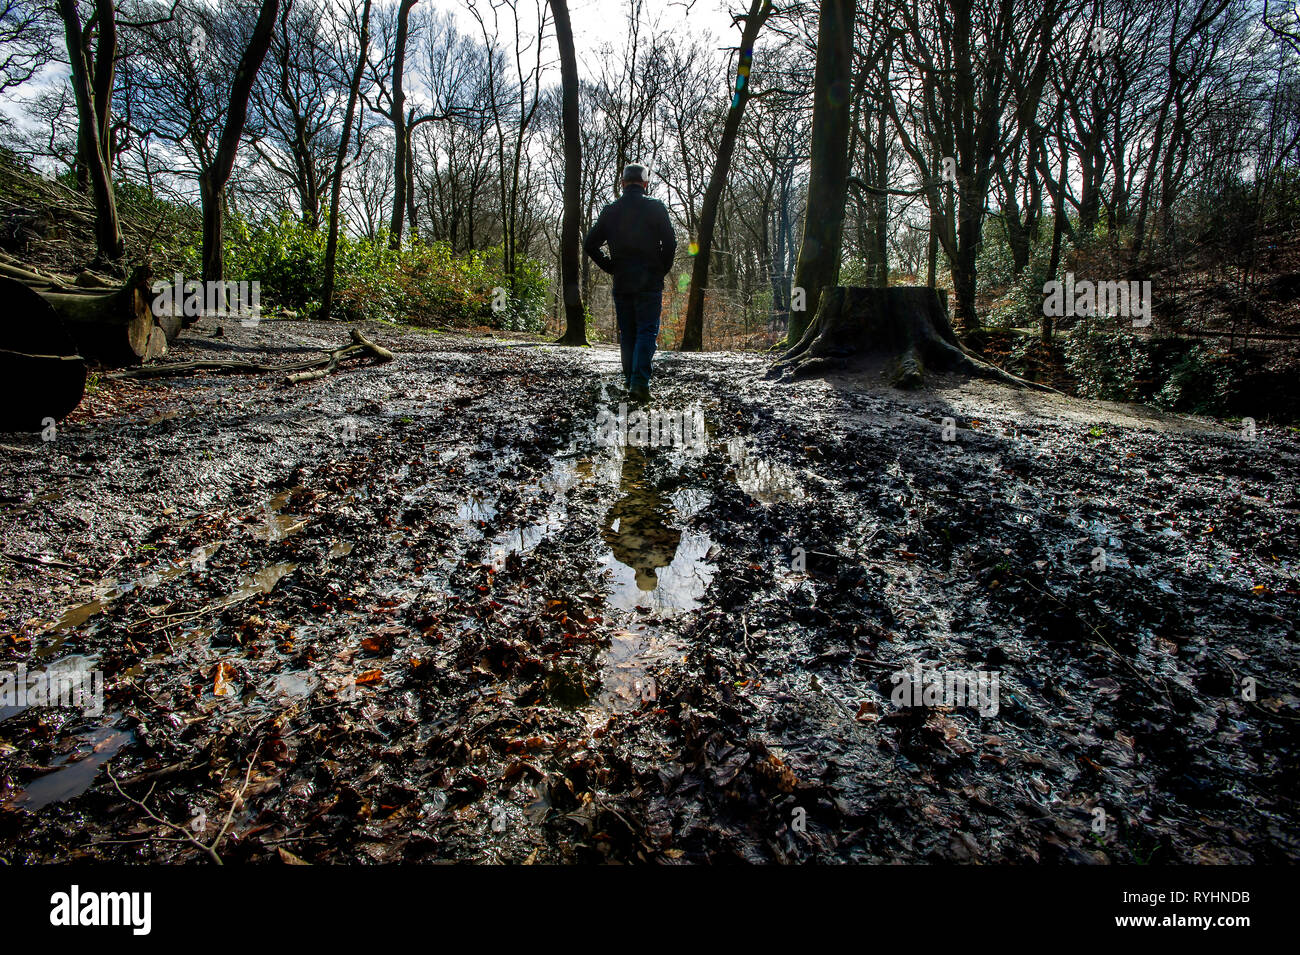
641 241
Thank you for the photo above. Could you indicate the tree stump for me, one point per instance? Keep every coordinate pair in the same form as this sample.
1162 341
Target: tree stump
41 375
901 332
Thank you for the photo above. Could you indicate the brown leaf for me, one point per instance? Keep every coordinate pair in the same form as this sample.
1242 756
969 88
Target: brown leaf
223 674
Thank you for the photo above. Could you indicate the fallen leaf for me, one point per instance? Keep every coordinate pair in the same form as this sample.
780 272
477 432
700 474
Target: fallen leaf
225 673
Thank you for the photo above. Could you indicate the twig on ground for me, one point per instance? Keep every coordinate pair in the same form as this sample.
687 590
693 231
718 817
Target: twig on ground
187 836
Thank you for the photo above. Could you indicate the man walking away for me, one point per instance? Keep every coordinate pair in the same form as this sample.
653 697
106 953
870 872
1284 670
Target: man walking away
642 244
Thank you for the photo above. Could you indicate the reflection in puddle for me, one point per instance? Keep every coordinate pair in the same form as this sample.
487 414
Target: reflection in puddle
263 581
79 615
665 589
75 772
653 564
109 590
767 482
295 684
276 526
72 669
476 509
566 474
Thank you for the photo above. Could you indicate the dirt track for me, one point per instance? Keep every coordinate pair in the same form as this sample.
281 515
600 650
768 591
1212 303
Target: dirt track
448 624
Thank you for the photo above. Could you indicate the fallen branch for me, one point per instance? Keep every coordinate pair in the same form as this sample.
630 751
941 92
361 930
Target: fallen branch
185 834
360 345
293 373
30 276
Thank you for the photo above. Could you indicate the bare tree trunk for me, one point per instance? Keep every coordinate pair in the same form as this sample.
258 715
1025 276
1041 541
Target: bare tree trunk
693 334
105 66
881 236
411 213
1058 230
1017 236
780 286
398 118
213 179
575 317
932 254
109 244
823 231
332 240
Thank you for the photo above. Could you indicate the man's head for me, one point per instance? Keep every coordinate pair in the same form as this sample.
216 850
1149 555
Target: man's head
635 174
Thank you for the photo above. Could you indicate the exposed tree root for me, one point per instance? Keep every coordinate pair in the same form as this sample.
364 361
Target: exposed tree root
903 331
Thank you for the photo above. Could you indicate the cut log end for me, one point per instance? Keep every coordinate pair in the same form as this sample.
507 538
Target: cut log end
112 326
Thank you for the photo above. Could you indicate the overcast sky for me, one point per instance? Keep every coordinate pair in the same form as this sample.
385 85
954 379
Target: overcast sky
600 22
595 24
605 21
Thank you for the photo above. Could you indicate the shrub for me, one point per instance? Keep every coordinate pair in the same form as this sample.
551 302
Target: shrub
423 283
1113 366
285 256
1203 381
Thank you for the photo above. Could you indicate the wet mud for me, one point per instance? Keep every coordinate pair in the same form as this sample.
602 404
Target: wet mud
429 611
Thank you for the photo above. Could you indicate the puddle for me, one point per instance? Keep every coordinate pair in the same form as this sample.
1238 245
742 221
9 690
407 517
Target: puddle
61 670
566 474
475 510
262 581
79 615
663 571
74 772
294 685
107 591
625 677
652 563
767 482
276 526
689 501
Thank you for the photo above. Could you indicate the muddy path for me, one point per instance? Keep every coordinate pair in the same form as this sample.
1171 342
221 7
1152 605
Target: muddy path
427 611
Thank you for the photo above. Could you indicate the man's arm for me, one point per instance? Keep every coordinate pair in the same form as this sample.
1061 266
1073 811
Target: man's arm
667 238
596 238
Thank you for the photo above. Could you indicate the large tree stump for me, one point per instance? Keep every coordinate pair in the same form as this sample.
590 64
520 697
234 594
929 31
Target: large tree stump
42 377
901 332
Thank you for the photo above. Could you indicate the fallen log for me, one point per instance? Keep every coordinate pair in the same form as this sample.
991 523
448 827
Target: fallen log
294 373
42 378
29 276
113 326
91 280
901 332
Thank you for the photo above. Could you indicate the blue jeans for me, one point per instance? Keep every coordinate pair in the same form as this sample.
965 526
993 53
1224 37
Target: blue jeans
638 331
